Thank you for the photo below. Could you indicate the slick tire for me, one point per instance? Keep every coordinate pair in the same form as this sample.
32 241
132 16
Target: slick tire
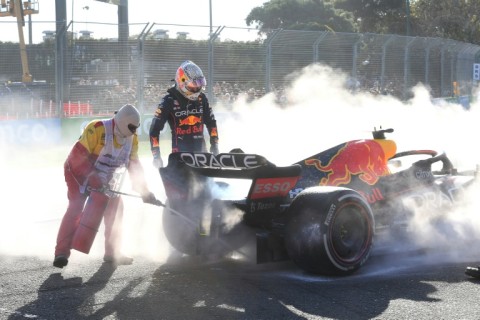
180 231
330 231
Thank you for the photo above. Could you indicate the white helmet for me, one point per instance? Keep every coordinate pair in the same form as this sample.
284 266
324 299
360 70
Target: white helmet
190 80
127 121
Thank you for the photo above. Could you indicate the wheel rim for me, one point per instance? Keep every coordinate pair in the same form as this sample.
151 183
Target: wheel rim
350 233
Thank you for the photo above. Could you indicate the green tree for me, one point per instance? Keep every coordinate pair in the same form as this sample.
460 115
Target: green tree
452 19
300 15
377 16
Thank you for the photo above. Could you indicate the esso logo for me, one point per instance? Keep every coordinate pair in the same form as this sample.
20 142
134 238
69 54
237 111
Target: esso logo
273 187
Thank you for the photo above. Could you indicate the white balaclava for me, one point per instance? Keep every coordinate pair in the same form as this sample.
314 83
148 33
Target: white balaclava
127 120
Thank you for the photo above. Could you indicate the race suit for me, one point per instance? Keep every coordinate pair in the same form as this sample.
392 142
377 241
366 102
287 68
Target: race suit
98 151
186 119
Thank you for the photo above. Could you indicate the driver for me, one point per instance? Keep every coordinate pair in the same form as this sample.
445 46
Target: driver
186 109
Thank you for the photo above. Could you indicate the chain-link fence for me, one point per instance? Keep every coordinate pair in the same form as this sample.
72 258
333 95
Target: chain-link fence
95 74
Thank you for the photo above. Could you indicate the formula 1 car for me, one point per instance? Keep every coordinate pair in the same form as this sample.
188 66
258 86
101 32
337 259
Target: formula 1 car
322 212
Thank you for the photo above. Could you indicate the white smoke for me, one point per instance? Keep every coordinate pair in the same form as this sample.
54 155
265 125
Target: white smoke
319 113
34 199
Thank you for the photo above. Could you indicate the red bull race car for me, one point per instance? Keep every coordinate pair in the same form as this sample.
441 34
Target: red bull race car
322 212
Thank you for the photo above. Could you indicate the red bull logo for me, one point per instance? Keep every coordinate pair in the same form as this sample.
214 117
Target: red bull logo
366 159
181 75
190 121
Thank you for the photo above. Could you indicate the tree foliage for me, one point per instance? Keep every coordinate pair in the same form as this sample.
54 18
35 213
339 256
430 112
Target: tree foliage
378 16
301 15
452 19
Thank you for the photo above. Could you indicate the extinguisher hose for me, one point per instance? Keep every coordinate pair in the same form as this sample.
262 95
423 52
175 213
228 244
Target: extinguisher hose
159 203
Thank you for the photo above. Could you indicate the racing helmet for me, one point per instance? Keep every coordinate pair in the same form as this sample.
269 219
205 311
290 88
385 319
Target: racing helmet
190 80
127 121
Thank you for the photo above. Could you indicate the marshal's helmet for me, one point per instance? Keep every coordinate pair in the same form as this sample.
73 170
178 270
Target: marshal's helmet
190 80
127 121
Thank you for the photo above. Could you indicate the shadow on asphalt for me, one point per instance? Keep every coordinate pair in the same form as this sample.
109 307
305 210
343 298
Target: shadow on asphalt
193 288
60 298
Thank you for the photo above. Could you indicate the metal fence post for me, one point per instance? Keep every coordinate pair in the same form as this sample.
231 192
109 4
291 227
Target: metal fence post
123 34
453 60
384 52
406 63
355 56
268 60
60 44
141 68
427 63
60 53
316 44
442 71
210 79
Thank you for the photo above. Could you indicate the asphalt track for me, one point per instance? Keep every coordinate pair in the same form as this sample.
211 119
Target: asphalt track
186 288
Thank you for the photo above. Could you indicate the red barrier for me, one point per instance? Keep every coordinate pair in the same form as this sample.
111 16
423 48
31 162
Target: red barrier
77 109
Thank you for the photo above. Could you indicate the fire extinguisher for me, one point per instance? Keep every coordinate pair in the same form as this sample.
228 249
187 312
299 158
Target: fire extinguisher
89 224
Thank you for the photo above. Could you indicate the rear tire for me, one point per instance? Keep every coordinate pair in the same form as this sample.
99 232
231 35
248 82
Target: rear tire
330 230
180 231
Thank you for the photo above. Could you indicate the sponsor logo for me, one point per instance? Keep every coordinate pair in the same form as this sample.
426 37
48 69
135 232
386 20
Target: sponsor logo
373 196
429 200
272 187
259 206
190 121
295 192
185 113
189 130
364 158
330 214
423 175
223 160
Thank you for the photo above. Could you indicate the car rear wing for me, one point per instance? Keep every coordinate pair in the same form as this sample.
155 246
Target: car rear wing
185 169
231 165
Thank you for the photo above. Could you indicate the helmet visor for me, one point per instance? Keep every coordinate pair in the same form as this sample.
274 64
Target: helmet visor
196 85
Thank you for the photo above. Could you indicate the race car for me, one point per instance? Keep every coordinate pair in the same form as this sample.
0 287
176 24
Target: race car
322 212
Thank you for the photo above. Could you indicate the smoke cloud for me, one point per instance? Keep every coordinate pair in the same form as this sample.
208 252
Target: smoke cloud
317 112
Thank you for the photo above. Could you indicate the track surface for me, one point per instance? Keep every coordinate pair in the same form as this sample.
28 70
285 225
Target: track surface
187 288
